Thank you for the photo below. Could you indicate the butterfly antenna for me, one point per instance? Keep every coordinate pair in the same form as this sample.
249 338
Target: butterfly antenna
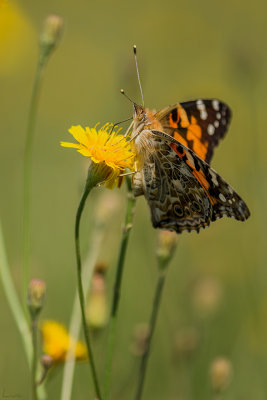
127 97
138 75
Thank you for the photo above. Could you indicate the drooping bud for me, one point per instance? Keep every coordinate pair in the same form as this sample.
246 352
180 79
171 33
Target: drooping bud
36 296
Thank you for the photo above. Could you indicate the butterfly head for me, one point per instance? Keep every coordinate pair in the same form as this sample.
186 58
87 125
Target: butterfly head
139 113
139 117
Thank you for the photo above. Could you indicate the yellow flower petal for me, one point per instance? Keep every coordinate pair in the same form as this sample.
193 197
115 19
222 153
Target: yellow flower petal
79 134
67 144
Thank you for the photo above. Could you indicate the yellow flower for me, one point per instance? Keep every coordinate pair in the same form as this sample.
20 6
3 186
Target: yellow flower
57 341
16 37
106 148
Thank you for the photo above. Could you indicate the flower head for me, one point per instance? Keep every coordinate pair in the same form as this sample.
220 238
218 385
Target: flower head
106 148
57 342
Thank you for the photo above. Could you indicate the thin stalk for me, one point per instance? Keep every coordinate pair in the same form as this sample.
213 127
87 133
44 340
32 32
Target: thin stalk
27 177
13 301
117 287
75 321
88 187
167 242
152 324
34 358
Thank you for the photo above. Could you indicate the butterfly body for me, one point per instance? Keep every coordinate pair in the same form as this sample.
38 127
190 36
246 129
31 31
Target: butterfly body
173 149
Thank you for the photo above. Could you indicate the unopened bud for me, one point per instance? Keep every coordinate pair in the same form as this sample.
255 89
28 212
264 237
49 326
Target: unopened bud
207 296
36 296
186 342
51 34
96 309
46 361
101 268
167 242
140 339
221 373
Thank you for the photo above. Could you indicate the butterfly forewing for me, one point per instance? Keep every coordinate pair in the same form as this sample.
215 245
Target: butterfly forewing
197 124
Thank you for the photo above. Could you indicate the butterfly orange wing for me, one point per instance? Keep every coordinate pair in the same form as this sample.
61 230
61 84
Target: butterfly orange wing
198 125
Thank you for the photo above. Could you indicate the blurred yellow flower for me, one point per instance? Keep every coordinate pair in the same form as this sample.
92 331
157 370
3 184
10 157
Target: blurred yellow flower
57 341
105 147
16 37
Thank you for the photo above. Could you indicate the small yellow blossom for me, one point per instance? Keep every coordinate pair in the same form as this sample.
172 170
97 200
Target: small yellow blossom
57 341
106 148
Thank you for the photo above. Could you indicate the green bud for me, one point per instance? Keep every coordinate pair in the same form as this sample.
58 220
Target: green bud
36 296
167 242
50 35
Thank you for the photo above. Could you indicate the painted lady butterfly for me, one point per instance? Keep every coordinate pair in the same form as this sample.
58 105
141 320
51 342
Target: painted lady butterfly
174 147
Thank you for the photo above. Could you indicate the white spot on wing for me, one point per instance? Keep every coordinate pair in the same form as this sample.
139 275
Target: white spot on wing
202 109
215 105
218 116
203 114
216 124
211 129
221 197
213 177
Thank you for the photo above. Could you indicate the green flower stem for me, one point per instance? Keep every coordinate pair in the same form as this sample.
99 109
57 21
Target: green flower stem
90 183
34 357
117 287
75 321
152 324
13 301
27 175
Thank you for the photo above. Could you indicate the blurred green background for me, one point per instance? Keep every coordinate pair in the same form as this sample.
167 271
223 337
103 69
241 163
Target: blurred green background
215 299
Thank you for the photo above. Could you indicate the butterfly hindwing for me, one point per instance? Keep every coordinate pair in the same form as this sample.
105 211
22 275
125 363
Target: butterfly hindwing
197 124
223 198
182 190
177 202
